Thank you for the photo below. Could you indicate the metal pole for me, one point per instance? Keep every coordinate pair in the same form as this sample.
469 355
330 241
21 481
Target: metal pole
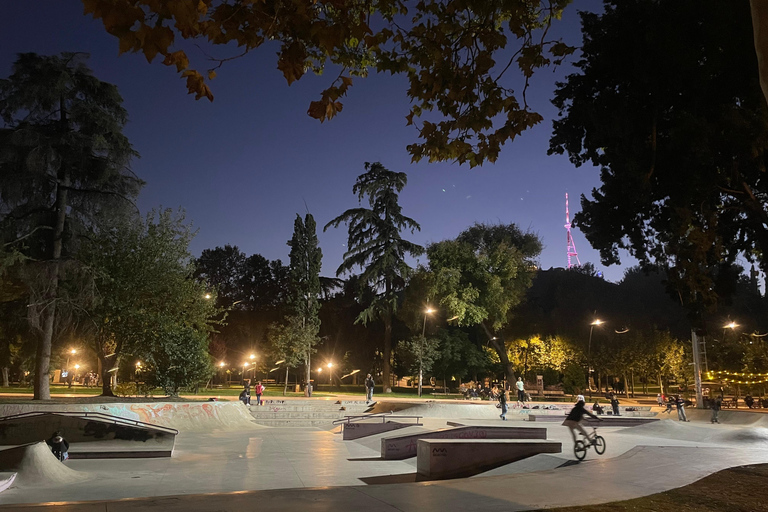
697 369
421 352
589 361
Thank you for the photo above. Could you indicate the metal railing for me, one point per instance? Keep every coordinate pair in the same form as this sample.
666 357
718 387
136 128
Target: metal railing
383 415
117 420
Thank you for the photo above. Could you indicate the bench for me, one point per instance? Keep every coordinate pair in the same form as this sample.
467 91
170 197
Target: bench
440 459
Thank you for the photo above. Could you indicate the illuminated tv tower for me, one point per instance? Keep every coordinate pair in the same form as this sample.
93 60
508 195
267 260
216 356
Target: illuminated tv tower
571 246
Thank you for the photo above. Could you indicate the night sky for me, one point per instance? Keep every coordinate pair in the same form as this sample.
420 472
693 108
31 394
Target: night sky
244 165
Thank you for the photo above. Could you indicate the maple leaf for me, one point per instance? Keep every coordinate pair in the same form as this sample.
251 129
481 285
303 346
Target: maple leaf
292 61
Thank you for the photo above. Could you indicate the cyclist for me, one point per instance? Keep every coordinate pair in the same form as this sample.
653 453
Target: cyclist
573 420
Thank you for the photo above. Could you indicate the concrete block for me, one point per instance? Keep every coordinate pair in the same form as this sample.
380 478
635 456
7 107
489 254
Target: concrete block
403 447
440 459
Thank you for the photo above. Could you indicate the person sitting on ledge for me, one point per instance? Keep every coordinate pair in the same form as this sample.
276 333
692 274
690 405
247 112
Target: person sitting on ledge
59 446
597 408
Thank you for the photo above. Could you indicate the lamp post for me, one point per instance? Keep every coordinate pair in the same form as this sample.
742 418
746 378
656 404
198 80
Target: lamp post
427 311
330 374
221 367
589 355
72 352
245 365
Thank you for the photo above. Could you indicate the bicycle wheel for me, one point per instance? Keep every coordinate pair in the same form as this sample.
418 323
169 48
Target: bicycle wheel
580 450
599 445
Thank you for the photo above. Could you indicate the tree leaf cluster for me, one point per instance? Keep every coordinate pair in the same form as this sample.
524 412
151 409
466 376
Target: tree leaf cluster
455 54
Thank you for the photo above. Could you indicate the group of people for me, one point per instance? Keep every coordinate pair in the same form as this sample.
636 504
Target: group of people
245 394
678 402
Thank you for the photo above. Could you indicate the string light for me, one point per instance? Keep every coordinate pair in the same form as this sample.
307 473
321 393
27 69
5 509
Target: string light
751 378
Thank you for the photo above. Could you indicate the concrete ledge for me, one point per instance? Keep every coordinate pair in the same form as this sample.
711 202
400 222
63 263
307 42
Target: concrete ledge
440 459
356 430
403 447
607 421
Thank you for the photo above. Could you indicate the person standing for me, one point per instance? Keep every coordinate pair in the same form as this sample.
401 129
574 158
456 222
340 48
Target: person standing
259 390
520 391
717 404
369 385
660 399
503 405
680 403
615 405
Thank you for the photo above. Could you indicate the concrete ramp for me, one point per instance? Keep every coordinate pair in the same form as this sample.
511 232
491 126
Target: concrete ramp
714 434
440 459
403 447
182 416
35 467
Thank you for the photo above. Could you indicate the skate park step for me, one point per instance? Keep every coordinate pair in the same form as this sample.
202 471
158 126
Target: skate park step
403 447
304 413
605 421
440 459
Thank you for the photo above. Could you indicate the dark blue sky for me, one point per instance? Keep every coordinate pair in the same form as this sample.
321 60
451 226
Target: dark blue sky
244 165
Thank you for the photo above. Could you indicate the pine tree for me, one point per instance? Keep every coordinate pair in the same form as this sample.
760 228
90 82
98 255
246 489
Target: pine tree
304 273
63 166
375 245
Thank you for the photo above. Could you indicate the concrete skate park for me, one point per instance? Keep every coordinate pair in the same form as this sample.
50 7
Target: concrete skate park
398 455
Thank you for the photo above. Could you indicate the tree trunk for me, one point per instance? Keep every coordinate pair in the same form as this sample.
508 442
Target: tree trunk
626 385
285 388
43 361
6 380
386 370
509 368
759 10
661 384
106 375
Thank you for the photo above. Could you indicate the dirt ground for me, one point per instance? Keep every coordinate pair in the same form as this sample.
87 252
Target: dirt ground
741 489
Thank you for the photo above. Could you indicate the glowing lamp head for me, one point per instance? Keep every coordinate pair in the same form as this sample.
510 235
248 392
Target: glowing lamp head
221 364
731 325
252 356
598 322
429 311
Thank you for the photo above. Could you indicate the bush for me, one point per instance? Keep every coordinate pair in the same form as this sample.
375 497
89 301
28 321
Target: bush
573 379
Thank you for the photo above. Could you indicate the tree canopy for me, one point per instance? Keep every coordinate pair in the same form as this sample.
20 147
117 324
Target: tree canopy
456 55
63 169
147 304
482 275
666 101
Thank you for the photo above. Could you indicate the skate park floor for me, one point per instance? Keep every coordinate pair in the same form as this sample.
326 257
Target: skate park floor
314 469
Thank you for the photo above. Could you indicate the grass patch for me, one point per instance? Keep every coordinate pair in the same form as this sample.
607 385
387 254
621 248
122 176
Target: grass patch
740 489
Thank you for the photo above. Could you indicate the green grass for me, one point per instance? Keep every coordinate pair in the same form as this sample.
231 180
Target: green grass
740 489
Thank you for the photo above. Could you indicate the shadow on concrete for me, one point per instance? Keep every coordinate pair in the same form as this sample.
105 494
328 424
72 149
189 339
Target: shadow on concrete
403 478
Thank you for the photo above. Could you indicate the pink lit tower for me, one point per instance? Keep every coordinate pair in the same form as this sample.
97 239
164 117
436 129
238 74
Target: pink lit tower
571 246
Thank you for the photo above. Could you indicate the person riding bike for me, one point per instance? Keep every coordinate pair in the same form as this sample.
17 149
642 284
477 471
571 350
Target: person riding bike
573 420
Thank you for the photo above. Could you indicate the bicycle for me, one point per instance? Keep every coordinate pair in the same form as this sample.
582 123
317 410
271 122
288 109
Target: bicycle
581 447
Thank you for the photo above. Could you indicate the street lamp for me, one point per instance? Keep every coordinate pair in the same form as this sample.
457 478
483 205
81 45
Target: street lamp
72 352
427 311
330 373
589 355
